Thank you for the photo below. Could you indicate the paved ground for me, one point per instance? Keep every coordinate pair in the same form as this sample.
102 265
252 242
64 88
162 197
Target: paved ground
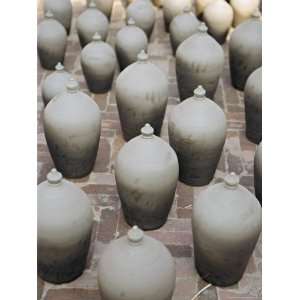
100 185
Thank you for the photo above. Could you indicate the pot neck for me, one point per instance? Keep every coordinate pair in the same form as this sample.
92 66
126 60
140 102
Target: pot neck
202 28
142 57
72 86
199 93
59 67
135 236
54 177
231 181
147 132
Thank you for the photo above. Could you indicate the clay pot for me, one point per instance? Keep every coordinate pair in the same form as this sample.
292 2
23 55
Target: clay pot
226 225
72 124
197 132
89 22
218 17
245 51
55 83
64 225
98 63
130 41
143 13
183 26
136 267
258 173
62 11
148 193
105 6
200 6
51 42
172 8
243 10
199 60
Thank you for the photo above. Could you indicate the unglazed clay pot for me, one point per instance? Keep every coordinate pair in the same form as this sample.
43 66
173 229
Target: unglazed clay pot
218 17
146 173
243 10
258 173
199 60
55 83
200 6
183 26
143 13
245 51
197 132
64 225
253 106
136 267
62 11
51 42
226 225
104 5
172 8
130 41
92 20
72 124
141 96
98 62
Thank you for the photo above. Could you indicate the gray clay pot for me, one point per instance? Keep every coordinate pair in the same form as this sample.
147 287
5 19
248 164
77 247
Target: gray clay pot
253 106
55 83
146 173
226 224
183 26
130 41
104 5
243 10
98 62
197 132
51 42
92 20
245 51
136 267
258 173
64 225
62 11
199 60
72 124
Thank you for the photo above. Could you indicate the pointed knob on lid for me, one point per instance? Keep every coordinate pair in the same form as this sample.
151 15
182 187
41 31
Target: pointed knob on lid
49 14
187 9
142 56
59 67
199 92
97 37
54 176
72 86
135 234
202 27
92 4
147 131
232 180
130 21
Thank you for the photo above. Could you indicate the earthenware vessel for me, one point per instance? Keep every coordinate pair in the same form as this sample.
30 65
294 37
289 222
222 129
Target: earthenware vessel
51 42
136 267
72 124
172 8
199 60
148 193
98 62
258 173
197 132
141 96
130 41
143 13
62 11
183 26
55 83
105 6
200 6
218 17
226 224
64 225
243 10
245 51
89 22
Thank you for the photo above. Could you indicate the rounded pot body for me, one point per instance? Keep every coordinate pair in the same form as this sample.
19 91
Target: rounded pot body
62 11
245 51
136 267
197 132
243 10
258 173
200 6
218 17
72 124
182 27
146 175
51 42
130 41
253 106
98 62
226 224
143 13
199 60
105 6
92 20
64 225
141 96
55 83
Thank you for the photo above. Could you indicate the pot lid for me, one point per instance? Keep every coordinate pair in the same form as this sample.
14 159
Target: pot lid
59 67
97 37
142 56
199 92
54 176
72 86
135 234
92 4
232 180
202 28
187 9
130 21
49 14
147 131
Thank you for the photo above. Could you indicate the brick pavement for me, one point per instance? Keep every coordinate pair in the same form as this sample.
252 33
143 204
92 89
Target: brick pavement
100 184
